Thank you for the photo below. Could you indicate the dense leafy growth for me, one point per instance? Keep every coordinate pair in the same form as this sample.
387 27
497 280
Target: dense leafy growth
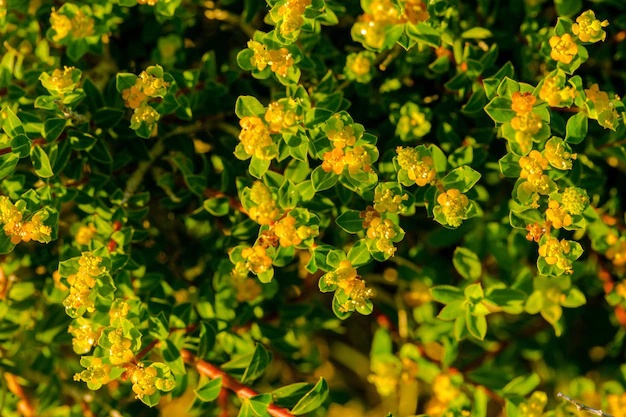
323 207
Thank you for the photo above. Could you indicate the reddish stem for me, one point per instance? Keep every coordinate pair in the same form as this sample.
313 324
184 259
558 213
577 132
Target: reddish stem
228 382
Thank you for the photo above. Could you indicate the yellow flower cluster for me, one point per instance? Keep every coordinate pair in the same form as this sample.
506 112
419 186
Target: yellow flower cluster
61 81
148 2
136 97
85 234
292 14
388 201
525 123
288 234
617 404
533 166
255 138
418 168
279 60
264 211
559 154
588 28
257 260
346 278
444 392
279 117
603 110
344 153
82 282
617 252
554 92
359 66
84 336
246 289
96 374
535 405
554 252
575 200
382 232
146 381
564 48
372 26
21 230
557 215
120 351
454 206
412 123
80 25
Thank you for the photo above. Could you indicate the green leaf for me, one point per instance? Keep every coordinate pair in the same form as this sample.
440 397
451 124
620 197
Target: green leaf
446 294
258 363
467 263
8 162
477 33
124 80
462 178
53 127
350 221
107 117
499 109
248 106
476 325
359 253
41 163
576 129
209 390
323 180
522 385
312 399
568 8
173 358
289 395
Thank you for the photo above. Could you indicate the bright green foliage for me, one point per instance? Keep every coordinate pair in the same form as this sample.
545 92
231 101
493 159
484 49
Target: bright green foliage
312 207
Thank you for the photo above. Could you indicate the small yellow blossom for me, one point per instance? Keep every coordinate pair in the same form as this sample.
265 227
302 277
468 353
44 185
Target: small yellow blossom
341 136
617 253
85 234
522 103
387 201
557 215
61 24
82 282
533 166
144 114
535 405
554 252
292 14
415 11
84 335
588 28
359 66
357 160
559 154
133 97
564 49
255 138
265 211
575 200
333 161
82 25
96 374
279 118
120 351
553 92
529 123
418 168
453 206
144 381
257 259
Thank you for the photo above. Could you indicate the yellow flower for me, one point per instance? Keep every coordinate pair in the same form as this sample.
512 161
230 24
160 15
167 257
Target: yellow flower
342 136
133 97
418 168
82 25
529 123
85 234
617 253
144 381
387 201
260 58
255 138
61 24
454 206
148 2
333 161
357 160
588 28
279 118
265 211
559 154
359 66
564 49
522 102
119 352
575 200
554 93
96 374
151 85
415 11
257 259
82 282
144 114
535 405
292 15
557 215
84 336
554 251
533 166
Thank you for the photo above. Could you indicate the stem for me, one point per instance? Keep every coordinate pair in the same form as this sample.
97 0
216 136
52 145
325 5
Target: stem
143 352
24 406
582 407
228 382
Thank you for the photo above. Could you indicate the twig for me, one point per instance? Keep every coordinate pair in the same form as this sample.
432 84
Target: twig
228 382
582 407
24 406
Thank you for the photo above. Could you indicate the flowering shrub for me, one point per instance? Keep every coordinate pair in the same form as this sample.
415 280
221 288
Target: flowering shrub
312 207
